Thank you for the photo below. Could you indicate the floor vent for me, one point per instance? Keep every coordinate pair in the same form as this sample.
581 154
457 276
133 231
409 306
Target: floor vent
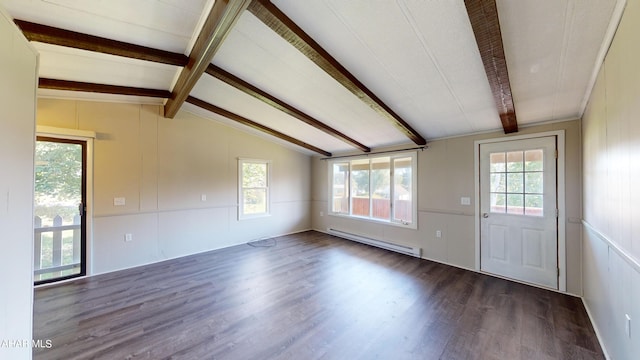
413 251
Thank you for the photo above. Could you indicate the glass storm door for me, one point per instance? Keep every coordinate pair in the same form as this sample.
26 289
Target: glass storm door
518 224
60 198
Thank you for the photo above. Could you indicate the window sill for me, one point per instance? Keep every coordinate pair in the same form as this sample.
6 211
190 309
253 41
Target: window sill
249 217
412 226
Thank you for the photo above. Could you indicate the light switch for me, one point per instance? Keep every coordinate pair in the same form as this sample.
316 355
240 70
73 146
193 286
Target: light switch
119 201
203 197
465 200
128 237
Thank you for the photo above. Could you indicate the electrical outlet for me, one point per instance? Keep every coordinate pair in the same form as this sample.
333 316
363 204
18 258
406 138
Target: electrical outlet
321 213
465 200
128 237
119 201
438 233
203 197
627 326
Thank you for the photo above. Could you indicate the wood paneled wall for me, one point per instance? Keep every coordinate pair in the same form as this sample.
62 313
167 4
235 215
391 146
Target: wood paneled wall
163 167
445 174
611 154
18 76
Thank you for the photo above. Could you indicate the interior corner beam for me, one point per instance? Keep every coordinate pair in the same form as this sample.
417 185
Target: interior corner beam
275 19
278 104
61 37
252 124
223 16
483 15
45 83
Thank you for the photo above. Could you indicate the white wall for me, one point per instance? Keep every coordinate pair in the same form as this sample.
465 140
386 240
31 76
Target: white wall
611 138
162 167
18 69
446 173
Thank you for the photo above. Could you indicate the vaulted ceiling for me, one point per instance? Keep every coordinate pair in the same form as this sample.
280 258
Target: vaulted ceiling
328 76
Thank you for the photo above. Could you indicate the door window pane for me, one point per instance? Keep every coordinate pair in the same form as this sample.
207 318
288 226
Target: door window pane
498 203
517 182
533 160
498 182
514 161
515 203
533 205
533 183
497 162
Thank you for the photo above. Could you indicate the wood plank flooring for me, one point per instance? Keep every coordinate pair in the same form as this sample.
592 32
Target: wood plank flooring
311 296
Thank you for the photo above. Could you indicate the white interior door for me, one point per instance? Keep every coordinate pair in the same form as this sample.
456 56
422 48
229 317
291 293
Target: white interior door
518 207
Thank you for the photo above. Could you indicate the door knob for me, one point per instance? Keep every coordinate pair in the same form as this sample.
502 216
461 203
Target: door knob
485 215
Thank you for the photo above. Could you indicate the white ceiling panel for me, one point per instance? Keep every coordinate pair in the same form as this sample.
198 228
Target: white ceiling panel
419 57
161 24
551 49
218 93
221 119
257 55
63 63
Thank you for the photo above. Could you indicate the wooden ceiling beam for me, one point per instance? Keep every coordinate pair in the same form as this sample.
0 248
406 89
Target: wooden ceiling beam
254 125
45 83
275 19
55 36
276 103
483 15
223 16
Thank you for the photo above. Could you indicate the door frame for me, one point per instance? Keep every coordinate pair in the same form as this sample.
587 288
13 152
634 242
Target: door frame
87 137
561 202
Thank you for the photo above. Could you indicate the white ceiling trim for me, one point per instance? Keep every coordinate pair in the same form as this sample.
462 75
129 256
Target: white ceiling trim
616 18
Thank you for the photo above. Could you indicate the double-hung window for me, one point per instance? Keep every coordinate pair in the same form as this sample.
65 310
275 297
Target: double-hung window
381 188
253 176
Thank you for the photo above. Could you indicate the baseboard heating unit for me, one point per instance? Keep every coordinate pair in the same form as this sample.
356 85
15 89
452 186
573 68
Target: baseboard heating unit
413 251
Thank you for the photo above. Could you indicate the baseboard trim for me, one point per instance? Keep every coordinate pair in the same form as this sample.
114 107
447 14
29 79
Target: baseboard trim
162 260
595 329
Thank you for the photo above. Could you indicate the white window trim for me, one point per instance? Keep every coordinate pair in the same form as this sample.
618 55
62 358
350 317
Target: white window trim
241 215
391 156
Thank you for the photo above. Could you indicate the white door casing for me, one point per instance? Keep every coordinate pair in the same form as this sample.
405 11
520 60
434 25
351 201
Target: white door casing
518 210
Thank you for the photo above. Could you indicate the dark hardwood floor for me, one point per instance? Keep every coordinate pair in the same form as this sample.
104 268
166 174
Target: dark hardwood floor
311 296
